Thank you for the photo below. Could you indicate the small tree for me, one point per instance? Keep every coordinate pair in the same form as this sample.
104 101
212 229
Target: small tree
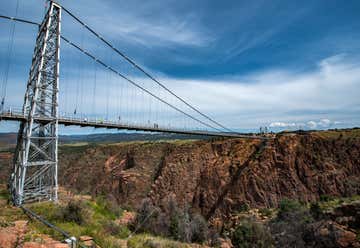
199 228
146 216
184 227
73 212
251 234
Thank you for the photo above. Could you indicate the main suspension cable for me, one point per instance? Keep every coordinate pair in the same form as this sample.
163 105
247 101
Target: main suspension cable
141 69
118 73
134 83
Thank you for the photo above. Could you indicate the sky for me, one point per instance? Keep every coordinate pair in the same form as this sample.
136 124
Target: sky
281 64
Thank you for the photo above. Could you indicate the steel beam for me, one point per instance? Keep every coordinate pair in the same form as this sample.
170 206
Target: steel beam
34 177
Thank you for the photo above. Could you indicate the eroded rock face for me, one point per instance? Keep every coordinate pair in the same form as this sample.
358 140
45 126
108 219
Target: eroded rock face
218 177
327 233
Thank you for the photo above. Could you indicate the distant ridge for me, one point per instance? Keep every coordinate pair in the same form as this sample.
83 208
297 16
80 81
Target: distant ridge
9 139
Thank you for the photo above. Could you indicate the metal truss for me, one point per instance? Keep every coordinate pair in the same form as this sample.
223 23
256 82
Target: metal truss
36 157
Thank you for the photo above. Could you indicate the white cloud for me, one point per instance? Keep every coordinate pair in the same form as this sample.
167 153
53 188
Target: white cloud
312 124
325 122
321 98
282 124
329 92
309 99
134 22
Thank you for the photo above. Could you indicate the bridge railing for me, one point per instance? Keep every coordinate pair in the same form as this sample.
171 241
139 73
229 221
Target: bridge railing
85 119
81 118
10 111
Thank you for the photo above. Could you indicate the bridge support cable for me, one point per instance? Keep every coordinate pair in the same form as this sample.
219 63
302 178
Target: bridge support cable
142 70
161 109
71 240
136 84
8 60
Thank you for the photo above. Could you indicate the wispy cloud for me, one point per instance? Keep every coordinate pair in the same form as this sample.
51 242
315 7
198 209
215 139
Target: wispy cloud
144 24
327 96
279 96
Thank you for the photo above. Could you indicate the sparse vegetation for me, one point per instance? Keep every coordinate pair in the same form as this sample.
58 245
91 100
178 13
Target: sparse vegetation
288 207
249 233
172 222
149 241
82 217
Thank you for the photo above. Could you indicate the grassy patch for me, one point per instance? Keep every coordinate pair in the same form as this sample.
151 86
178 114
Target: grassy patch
93 218
339 133
4 194
333 202
148 241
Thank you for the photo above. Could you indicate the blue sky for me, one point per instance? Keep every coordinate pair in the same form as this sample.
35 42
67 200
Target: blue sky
284 64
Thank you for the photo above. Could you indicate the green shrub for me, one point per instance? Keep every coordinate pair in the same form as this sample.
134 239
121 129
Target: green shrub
288 206
116 230
185 234
106 208
315 210
265 212
244 207
171 221
288 228
174 226
146 217
326 198
199 229
73 212
251 234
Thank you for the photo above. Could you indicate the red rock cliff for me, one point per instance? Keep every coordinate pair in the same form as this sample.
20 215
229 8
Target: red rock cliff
218 177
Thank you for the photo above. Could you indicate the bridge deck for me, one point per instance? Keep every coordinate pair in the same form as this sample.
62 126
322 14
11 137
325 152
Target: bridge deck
83 122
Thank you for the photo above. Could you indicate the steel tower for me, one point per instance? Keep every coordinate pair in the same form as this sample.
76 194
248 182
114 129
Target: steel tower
36 161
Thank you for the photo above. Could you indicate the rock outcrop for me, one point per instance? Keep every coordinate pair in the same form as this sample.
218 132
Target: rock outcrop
219 177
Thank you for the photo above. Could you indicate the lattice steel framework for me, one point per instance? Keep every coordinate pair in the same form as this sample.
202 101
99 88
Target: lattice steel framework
35 163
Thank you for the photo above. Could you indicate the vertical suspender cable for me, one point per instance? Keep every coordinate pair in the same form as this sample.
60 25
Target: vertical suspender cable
8 60
94 90
145 72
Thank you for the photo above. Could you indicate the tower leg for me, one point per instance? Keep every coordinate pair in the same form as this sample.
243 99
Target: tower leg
34 177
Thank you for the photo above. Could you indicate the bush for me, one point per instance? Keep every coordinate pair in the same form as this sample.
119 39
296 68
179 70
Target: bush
265 212
251 234
326 198
172 222
174 215
146 217
199 229
244 207
287 207
116 230
288 228
107 207
315 210
73 212
185 232
188 227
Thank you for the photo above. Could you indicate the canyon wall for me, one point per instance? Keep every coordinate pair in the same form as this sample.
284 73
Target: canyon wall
217 177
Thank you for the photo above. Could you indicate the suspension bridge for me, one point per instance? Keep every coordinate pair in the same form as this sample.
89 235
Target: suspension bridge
101 87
